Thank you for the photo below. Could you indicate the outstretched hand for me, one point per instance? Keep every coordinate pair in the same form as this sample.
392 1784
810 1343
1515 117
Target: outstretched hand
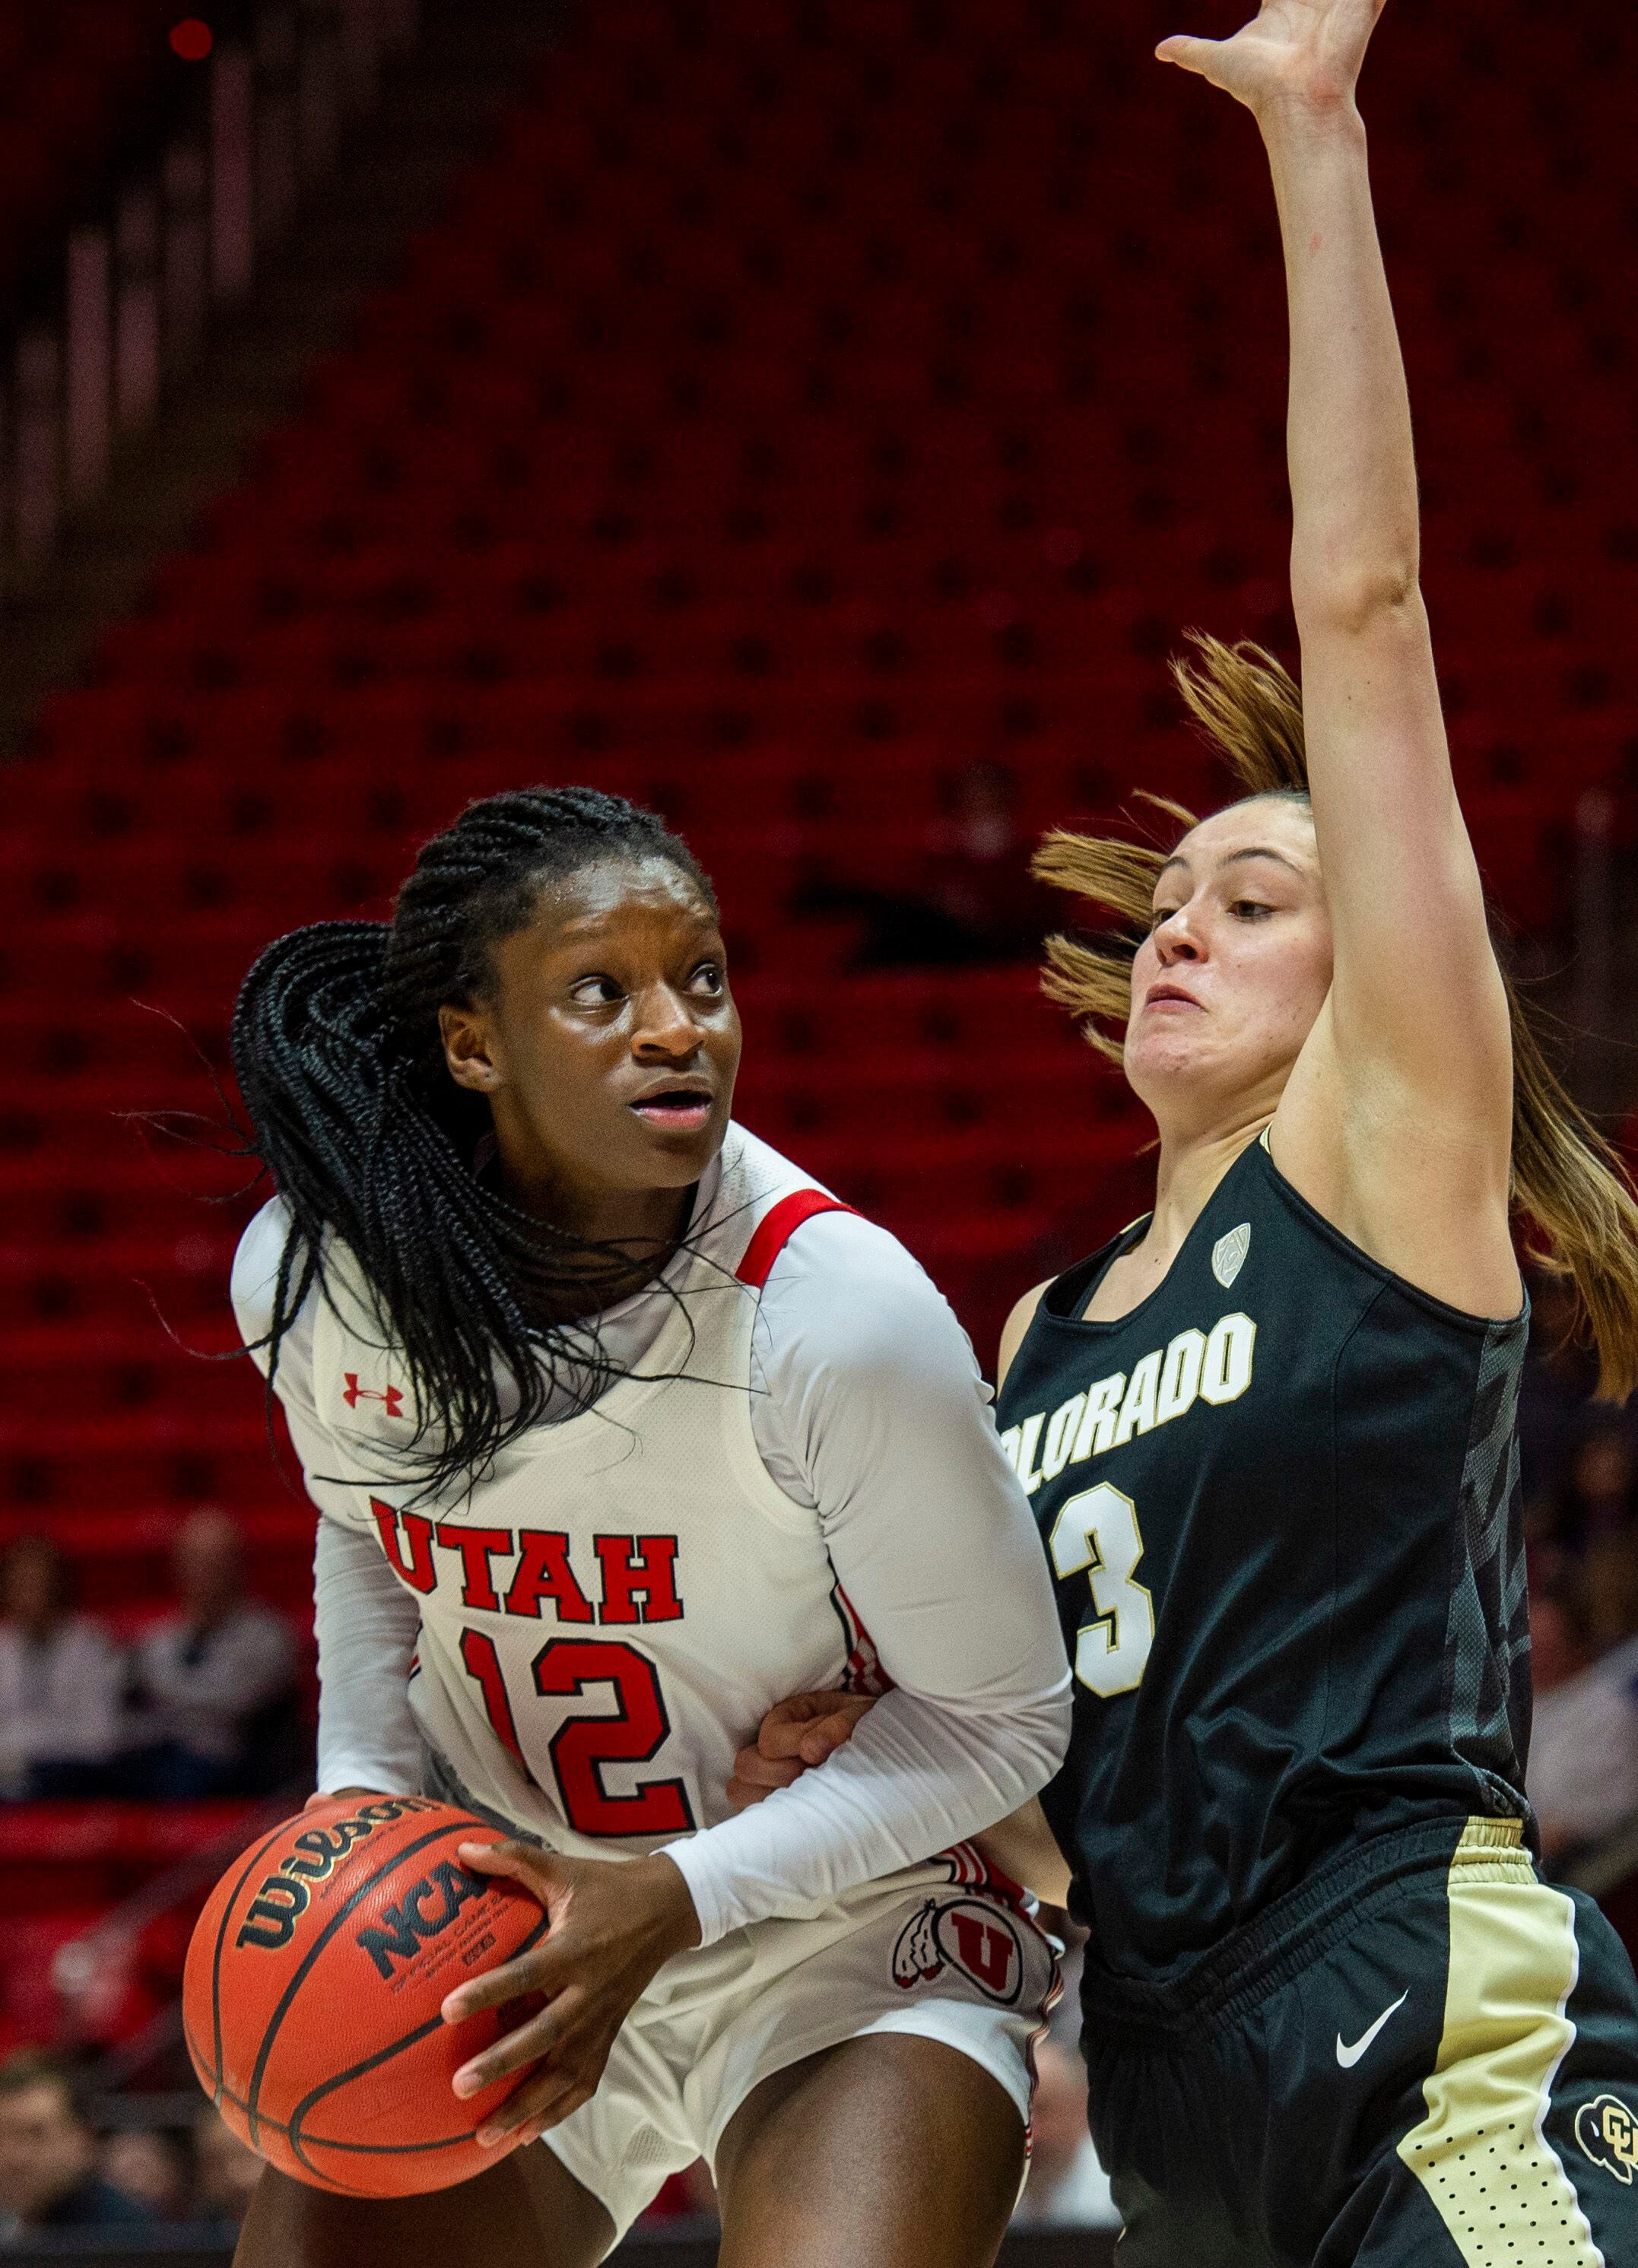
1305 55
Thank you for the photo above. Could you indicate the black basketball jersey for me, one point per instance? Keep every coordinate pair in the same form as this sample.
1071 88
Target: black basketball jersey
1281 1500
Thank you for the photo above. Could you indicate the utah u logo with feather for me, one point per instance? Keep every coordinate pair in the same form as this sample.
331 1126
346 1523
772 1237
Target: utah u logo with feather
977 1940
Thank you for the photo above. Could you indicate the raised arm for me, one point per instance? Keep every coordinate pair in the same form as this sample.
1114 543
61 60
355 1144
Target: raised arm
1396 1120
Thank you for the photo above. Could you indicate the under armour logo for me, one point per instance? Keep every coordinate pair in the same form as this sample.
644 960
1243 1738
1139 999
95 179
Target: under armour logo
354 1393
1229 1254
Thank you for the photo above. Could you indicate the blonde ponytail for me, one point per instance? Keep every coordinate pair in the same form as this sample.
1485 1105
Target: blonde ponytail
1575 1204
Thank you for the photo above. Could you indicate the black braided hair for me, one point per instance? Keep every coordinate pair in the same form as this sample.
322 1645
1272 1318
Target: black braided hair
338 1055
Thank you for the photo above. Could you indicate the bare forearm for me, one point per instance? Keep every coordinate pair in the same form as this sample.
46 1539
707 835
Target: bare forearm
1023 1845
1354 539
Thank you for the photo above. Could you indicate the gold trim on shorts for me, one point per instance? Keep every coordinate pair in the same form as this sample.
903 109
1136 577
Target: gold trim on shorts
1481 2154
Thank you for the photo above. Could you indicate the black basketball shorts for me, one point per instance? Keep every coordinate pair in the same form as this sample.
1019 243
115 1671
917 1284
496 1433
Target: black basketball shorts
1422 2057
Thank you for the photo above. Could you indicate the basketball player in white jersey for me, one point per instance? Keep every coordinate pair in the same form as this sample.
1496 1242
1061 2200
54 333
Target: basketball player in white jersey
620 1431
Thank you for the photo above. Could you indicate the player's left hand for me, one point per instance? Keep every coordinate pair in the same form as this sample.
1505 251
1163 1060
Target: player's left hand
614 1923
795 1735
1305 55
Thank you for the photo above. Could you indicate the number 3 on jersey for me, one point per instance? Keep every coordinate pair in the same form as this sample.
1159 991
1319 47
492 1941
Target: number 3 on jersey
1097 1530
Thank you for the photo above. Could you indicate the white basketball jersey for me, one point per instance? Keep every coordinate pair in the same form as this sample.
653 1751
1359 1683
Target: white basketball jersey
607 1617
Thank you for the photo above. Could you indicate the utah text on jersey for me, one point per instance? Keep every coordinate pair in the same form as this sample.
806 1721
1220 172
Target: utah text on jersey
1212 1366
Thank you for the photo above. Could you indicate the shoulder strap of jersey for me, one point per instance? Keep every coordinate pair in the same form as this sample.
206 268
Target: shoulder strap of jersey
774 1231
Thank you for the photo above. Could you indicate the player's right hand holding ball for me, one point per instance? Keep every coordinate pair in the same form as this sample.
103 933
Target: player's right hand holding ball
614 1924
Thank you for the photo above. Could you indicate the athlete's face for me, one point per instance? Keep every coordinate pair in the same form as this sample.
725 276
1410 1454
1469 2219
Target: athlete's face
1226 986
607 1047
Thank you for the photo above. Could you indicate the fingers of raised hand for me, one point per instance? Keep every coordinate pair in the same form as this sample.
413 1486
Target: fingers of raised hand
1189 55
1301 54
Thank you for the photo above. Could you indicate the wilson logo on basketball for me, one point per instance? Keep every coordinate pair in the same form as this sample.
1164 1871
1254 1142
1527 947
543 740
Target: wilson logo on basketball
966 1934
272 1914
422 1912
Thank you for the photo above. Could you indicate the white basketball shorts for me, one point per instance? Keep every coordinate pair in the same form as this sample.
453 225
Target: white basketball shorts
943 1952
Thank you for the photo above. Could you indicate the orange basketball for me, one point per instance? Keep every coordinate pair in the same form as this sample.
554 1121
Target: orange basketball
314 1984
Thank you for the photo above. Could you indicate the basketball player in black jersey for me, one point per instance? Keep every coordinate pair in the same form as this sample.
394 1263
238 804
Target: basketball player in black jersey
1331 2013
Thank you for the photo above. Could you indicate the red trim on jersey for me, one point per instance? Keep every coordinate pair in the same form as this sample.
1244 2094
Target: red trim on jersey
981 1873
864 1673
774 1231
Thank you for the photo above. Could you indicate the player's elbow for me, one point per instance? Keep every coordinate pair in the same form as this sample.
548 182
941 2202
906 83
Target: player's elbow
1355 601
1010 1747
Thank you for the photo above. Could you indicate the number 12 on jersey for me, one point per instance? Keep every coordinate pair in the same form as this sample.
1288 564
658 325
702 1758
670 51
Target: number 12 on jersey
1097 1531
635 1732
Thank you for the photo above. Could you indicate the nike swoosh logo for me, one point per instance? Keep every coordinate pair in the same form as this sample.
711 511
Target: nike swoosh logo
1348 2056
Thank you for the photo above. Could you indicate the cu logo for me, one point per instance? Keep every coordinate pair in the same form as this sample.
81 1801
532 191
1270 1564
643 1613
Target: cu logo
1607 2131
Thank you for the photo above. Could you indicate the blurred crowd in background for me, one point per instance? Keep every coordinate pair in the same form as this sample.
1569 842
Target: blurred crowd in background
205 1702
57 2171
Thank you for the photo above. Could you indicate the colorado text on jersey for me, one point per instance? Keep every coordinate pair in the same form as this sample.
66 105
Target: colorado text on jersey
1212 1366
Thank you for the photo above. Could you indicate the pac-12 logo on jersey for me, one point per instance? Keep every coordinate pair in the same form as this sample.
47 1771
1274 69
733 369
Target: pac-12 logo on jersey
979 1939
1229 1254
